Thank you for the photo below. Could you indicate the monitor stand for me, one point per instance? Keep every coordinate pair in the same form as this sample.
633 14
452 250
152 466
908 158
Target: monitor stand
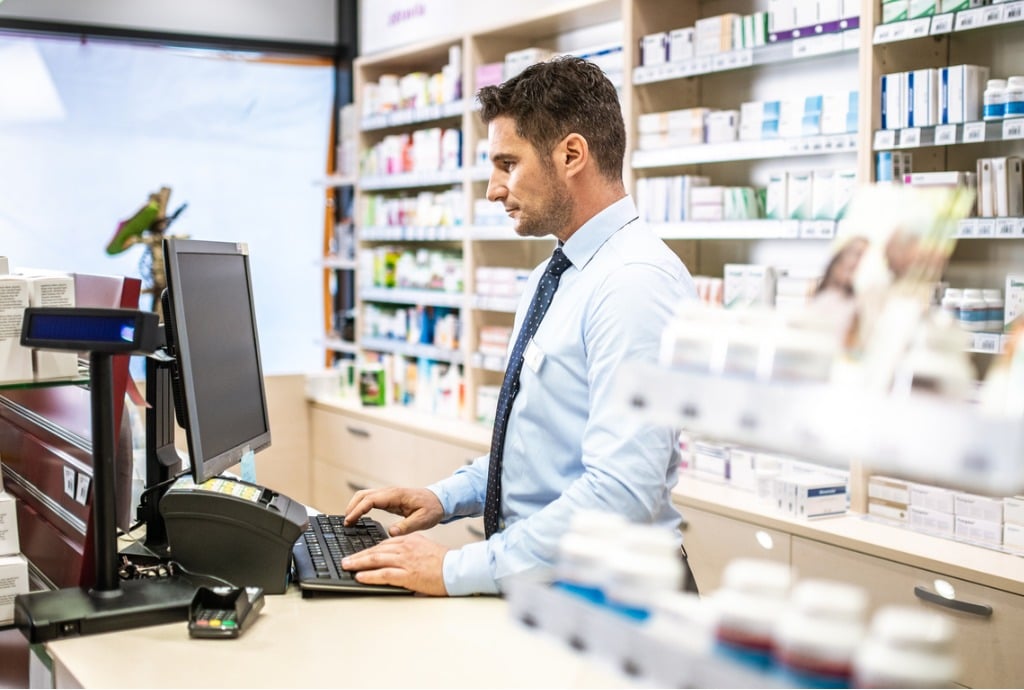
111 604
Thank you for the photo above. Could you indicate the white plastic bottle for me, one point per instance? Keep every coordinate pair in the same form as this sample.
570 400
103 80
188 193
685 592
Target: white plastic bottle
995 99
645 562
973 311
994 308
1014 97
818 635
906 648
580 563
951 299
747 605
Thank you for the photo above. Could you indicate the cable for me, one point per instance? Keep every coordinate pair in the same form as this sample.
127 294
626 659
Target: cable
178 566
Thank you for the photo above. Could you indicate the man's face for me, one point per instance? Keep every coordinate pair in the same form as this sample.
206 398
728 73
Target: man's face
527 185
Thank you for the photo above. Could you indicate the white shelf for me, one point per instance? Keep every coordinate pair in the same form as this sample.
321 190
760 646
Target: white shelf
429 298
412 233
411 180
987 343
948 135
745 150
919 437
785 51
418 350
412 116
991 228
950 22
763 229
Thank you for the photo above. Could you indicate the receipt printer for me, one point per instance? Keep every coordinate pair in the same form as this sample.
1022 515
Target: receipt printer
233 530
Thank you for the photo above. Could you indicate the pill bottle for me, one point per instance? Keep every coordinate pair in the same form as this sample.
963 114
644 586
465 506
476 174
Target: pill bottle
581 559
973 311
906 648
994 307
819 634
1014 97
951 299
645 561
747 605
995 99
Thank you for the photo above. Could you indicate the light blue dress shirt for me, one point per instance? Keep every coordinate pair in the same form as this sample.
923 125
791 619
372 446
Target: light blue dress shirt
568 447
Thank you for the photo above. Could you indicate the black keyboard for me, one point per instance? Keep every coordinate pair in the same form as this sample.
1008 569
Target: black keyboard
318 553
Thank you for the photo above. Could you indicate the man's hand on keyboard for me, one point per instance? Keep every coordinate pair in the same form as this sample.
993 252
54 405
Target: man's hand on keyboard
412 561
420 507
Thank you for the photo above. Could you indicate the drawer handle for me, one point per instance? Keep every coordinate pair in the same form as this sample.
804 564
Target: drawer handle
357 487
684 525
925 594
356 431
475 531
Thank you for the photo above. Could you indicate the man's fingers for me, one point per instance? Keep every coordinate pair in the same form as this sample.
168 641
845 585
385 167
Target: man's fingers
382 576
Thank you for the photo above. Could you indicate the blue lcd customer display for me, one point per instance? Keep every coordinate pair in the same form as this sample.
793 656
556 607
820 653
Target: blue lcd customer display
89 329
211 329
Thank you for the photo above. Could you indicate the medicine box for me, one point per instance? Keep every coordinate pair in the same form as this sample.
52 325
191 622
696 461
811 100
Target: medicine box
5 266
818 496
1013 510
15 360
1008 188
961 92
891 512
799 195
710 461
9 543
888 489
1013 307
932 498
654 49
921 8
681 44
743 469
13 581
974 530
934 522
978 507
53 291
1013 538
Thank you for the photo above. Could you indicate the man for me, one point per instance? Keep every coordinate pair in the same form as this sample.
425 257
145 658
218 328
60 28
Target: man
557 142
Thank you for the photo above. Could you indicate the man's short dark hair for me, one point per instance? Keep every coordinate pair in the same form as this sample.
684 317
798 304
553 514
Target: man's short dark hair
549 100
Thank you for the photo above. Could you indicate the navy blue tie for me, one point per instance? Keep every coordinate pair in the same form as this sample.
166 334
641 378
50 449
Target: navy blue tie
510 385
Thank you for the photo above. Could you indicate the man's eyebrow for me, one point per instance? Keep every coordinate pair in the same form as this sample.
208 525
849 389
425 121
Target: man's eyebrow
498 156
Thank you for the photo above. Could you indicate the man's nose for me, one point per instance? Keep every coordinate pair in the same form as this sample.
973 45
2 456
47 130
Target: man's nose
496 190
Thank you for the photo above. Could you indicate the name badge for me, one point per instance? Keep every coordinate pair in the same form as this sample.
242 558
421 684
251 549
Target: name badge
533 357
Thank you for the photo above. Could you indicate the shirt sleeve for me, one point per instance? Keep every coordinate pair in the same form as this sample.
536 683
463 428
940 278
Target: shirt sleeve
627 462
462 494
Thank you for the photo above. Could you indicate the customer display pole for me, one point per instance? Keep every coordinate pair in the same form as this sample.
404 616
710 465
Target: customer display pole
111 604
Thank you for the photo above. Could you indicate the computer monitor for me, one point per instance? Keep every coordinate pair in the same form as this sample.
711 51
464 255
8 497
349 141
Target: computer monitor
211 329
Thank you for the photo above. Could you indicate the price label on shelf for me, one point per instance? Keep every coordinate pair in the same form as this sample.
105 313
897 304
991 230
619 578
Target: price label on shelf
702 66
1013 12
974 132
969 19
899 31
720 62
986 227
1006 227
910 137
992 15
885 139
1013 129
942 23
883 33
745 58
987 342
918 27
817 229
945 134
968 227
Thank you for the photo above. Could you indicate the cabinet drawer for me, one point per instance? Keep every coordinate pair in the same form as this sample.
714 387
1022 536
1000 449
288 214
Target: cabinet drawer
988 646
713 540
391 456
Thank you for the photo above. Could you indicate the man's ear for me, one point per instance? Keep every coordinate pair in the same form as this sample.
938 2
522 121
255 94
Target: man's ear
574 153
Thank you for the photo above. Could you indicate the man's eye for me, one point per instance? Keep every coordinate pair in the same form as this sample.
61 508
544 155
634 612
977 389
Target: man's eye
508 165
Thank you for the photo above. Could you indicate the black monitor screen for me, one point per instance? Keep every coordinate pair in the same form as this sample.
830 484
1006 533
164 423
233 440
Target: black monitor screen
211 327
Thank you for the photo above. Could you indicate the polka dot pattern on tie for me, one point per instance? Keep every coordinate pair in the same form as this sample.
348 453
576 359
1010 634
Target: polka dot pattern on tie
510 385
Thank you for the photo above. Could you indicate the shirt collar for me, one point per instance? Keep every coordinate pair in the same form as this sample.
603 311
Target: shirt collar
584 243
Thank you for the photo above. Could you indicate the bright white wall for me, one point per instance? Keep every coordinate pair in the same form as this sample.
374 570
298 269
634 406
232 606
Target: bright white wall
312 21
240 142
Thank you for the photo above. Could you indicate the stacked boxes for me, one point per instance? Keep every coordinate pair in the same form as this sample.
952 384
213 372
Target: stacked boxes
15 360
1013 524
946 95
978 519
1000 184
13 567
889 499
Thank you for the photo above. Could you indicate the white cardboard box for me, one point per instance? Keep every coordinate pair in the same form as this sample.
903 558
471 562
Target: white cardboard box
893 491
53 291
893 512
1013 538
932 498
1009 187
13 581
9 543
984 531
1013 307
1013 510
818 496
931 521
978 507
15 360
